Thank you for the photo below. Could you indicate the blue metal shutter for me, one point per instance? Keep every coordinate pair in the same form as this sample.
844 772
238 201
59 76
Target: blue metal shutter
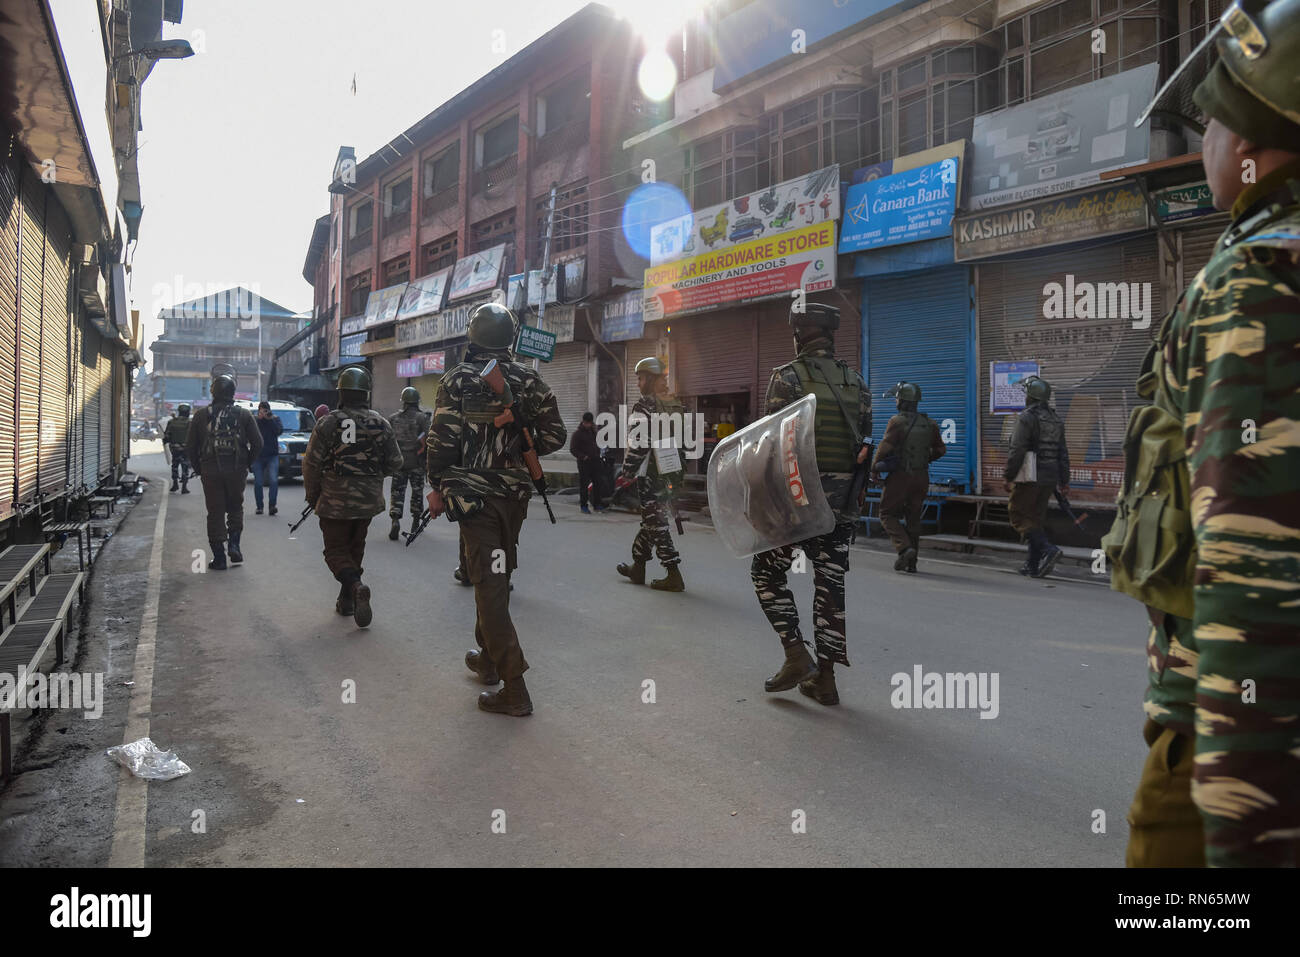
920 329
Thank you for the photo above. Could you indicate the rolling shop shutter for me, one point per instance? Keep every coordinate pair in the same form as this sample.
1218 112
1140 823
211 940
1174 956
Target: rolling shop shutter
76 402
921 330
10 217
566 374
713 355
54 353
89 372
31 290
1092 364
104 374
1196 246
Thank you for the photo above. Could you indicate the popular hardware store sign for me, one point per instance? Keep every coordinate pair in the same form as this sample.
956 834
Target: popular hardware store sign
799 259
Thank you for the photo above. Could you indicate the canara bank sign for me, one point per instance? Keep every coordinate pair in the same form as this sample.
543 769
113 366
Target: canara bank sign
1100 212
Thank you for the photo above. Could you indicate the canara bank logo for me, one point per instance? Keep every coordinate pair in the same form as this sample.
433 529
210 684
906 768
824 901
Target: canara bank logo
861 213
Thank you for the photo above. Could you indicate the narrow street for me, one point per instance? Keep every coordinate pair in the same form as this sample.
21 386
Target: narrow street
251 664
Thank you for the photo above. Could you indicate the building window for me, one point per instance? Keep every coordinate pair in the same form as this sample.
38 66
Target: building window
360 225
571 219
933 99
567 102
397 270
835 127
493 232
497 143
441 180
358 293
725 166
397 206
439 254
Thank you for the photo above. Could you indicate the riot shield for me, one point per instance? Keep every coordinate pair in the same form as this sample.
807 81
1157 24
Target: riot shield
764 487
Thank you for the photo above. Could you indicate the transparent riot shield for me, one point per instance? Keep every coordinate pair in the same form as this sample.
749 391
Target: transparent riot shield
764 488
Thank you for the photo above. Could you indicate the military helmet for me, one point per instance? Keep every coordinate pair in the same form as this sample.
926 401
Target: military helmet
491 326
1036 389
651 365
815 316
354 379
1258 43
223 386
410 396
905 392
183 410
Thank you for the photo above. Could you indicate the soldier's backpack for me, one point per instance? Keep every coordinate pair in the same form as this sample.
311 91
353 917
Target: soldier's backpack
836 387
914 456
224 434
361 455
1151 546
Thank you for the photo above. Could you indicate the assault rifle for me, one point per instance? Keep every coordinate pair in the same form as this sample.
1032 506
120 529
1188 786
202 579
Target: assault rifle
420 523
496 381
1064 502
858 484
306 510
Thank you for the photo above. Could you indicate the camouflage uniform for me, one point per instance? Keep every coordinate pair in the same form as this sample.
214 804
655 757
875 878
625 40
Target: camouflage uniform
1230 364
829 553
345 481
478 467
175 436
409 425
654 492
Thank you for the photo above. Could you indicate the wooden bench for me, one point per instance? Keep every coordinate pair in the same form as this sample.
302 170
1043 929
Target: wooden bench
992 510
19 562
44 620
106 502
933 507
81 530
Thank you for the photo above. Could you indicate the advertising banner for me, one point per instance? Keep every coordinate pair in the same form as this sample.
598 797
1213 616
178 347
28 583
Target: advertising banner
410 368
382 305
624 318
1062 141
424 295
477 272
448 324
434 362
1104 211
802 259
1005 396
902 208
350 346
1184 202
791 205
352 325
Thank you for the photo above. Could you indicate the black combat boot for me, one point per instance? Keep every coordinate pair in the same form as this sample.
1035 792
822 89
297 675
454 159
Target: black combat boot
511 699
460 576
900 563
799 666
822 688
343 604
1051 554
175 484
218 563
479 663
635 571
910 555
672 581
185 486
361 612
395 530
236 556
1030 567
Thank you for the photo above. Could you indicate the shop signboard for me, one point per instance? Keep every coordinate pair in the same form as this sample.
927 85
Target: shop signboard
350 346
410 368
902 208
448 324
424 295
352 325
1184 202
477 272
802 259
560 321
535 343
1062 141
794 204
624 318
1104 211
434 363
1005 395
382 305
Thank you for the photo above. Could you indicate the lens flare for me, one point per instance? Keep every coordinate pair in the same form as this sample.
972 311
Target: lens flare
657 76
649 205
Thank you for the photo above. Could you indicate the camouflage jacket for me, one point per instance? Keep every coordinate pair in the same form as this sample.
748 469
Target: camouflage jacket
250 441
1231 367
408 425
783 388
346 478
488 461
178 430
637 452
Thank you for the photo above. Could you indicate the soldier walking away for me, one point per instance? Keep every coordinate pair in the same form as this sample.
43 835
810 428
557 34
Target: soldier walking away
478 475
222 442
175 436
655 488
1037 447
1213 463
912 441
841 428
410 426
351 451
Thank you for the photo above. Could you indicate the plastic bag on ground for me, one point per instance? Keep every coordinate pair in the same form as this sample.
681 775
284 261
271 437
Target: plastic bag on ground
144 759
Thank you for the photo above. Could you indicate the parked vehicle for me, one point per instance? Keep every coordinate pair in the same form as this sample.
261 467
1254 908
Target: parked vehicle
298 424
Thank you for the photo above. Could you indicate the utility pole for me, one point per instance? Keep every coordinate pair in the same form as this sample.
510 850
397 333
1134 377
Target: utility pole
546 263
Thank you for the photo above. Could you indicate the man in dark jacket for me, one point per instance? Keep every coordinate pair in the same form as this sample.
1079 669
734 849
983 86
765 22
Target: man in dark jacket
222 442
1040 432
584 448
267 465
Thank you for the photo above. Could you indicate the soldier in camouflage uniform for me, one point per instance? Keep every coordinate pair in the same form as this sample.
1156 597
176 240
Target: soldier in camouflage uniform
410 426
912 441
175 436
1039 430
479 477
223 440
351 450
841 427
1222 783
656 491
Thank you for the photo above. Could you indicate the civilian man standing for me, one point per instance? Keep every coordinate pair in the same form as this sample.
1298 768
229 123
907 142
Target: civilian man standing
268 463
583 447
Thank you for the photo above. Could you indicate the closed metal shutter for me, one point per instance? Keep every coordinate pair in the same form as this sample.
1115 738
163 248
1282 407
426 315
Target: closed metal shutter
566 374
712 355
76 398
1196 246
385 387
54 353
921 330
89 372
10 218
122 422
1092 364
775 348
31 291
104 373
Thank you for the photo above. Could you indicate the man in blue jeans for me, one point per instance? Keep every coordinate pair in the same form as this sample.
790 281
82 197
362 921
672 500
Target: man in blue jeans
268 463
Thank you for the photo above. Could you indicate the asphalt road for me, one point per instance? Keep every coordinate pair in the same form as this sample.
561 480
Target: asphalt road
251 668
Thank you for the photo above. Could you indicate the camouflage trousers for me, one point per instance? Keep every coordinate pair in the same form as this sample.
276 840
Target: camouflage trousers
415 477
653 537
829 556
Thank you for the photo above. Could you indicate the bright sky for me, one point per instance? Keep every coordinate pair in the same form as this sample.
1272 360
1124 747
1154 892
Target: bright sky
239 140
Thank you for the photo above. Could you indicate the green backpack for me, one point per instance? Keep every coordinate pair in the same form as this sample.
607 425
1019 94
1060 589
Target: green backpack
1151 546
